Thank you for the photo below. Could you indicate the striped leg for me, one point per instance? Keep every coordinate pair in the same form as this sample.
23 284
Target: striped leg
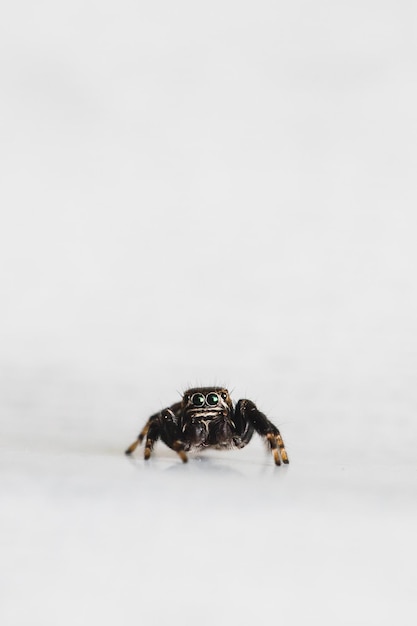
282 450
152 435
140 438
277 446
247 410
179 449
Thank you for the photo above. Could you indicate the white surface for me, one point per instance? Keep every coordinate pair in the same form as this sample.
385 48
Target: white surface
208 194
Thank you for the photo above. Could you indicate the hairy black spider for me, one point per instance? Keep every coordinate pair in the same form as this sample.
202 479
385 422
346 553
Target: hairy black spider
206 418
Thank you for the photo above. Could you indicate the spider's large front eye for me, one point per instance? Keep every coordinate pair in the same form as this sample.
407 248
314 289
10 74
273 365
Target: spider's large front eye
212 399
198 399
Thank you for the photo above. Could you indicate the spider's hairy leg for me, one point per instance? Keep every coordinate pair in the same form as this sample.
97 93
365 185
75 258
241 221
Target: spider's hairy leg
170 433
178 446
277 446
139 440
143 433
152 435
273 445
282 450
265 428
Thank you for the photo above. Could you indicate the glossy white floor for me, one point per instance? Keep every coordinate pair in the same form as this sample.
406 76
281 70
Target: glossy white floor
222 194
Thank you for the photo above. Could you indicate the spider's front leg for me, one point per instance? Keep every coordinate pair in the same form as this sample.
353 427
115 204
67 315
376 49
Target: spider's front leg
162 425
142 434
248 411
170 433
151 432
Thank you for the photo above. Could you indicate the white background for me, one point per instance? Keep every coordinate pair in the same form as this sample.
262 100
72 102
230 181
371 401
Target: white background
197 193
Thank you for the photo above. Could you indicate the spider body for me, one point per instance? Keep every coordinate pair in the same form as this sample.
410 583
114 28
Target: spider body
207 418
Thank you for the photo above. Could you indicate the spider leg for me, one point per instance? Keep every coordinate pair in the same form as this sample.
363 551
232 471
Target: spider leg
155 417
143 432
277 446
140 438
162 425
170 433
282 450
153 433
178 446
265 428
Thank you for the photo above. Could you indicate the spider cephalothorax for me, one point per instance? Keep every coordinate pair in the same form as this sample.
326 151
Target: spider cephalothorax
206 418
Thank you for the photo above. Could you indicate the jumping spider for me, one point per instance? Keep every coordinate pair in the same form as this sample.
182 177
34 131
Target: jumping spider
206 418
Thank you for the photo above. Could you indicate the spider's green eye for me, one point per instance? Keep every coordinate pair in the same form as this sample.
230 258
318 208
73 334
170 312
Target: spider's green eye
198 399
212 399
